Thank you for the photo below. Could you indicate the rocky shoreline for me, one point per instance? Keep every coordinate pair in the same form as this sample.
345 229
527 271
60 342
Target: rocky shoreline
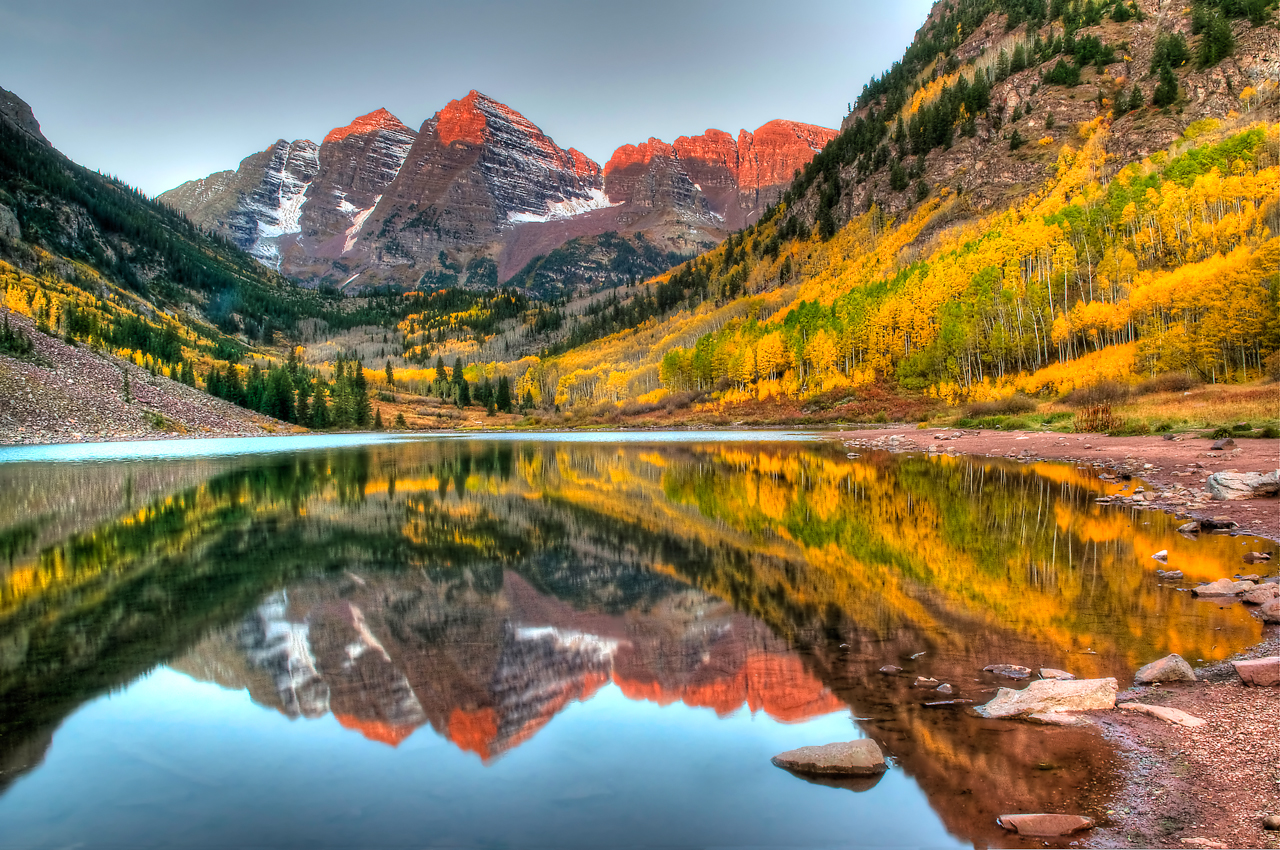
1213 782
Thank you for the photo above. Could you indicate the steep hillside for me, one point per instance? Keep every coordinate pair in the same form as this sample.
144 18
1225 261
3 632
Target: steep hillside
481 188
1001 213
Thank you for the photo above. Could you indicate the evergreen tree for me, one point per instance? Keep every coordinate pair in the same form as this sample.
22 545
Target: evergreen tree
456 376
898 177
377 419
1015 140
1136 100
438 384
302 412
360 397
462 395
391 375
527 403
233 390
503 397
213 383
1167 91
1216 41
278 396
319 407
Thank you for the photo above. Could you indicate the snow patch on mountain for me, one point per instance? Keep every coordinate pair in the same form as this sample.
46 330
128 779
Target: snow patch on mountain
357 224
567 208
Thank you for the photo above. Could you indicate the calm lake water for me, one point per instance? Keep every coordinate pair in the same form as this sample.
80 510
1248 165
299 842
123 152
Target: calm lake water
564 640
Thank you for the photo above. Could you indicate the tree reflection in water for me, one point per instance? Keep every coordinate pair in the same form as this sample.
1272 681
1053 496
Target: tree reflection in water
480 587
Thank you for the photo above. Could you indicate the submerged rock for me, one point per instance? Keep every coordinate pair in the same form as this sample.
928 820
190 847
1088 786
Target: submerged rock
1060 718
890 669
844 758
1162 555
946 690
1171 668
1192 527
1051 673
1170 575
1257 557
1009 671
1165 713
1259 672
923 682
1044 825
1048 695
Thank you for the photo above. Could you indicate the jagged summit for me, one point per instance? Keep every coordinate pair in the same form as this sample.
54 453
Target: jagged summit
479 185
379 119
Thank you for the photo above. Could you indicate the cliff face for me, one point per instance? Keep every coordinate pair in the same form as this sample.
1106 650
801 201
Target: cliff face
379 203
259 204
356 165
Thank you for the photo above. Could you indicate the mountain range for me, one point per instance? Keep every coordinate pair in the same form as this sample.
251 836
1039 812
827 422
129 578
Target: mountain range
478 192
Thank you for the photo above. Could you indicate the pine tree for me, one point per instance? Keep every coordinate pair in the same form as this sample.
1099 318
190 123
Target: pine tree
503 399
360 396
377 419
391 375
1136 100
319 408
1167 91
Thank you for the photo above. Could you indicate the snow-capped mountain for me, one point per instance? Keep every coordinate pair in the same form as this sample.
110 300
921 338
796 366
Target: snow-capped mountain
377 202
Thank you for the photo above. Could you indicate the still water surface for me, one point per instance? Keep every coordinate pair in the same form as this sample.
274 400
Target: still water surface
579 640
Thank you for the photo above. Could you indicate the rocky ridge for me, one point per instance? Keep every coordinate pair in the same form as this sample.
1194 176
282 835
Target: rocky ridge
378 202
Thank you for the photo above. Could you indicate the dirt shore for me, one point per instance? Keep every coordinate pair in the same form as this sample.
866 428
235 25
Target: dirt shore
1201 787
1175 468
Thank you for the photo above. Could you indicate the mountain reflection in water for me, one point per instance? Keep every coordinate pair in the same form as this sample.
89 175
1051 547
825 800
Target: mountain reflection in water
482 587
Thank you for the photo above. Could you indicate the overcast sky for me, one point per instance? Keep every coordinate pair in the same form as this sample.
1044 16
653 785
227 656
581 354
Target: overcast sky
157 92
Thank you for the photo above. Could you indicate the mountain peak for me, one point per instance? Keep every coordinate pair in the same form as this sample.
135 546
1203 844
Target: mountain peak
379 119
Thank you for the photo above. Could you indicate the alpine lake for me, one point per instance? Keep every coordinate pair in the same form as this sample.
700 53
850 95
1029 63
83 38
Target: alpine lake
583 640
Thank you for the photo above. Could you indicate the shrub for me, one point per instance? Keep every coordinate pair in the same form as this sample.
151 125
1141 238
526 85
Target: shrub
1063 74
1104 392
1163 428
1169 382
1016 403
1269 433
1097 419
1219 433
1241 427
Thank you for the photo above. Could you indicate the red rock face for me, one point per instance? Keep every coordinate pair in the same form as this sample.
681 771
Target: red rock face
377 120
712 173
769 157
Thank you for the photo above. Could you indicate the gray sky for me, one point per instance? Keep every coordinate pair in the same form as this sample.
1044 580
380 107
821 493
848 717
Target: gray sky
157 92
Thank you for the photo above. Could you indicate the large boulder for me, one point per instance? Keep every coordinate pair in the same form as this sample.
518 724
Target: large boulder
1223 587
1046 695
844 758
1232 486
1262 594
1045 826
1173 668
1259 672
1269 612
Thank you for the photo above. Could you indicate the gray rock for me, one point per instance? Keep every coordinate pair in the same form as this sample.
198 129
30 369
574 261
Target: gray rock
923 682
1221 445
945 690
844 758
1172 668
1044 825
1048 695
1009 671
9 228
1231 486
1162 555
890 669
